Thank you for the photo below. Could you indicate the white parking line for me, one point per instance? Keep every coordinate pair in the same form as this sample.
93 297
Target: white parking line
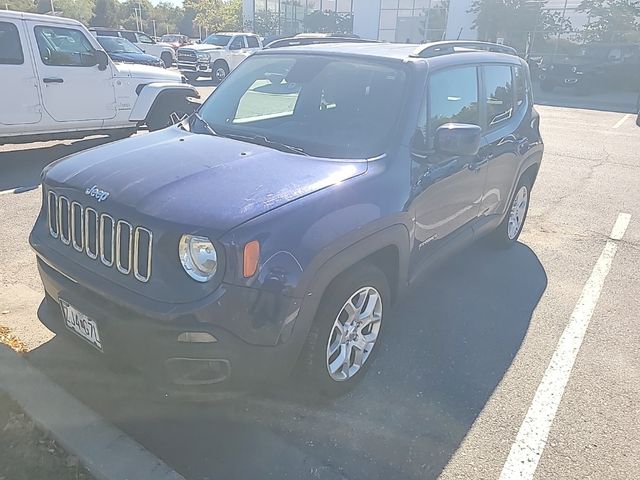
621 121
532 437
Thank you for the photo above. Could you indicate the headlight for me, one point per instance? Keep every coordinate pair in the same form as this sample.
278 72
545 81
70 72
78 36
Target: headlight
203 56
198 257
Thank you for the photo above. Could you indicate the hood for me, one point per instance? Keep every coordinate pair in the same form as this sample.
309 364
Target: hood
135 57
149 73
202 181
202 47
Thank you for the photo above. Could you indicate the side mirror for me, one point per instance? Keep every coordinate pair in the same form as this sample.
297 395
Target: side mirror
458 139
102 60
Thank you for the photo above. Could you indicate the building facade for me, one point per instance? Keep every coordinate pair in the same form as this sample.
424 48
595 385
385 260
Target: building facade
411 21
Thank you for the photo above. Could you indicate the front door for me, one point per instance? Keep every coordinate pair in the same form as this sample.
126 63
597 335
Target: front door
237 51
73 88
447 189
19 99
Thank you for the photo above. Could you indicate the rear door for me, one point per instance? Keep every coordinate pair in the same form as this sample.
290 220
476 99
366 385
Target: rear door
19 98
504 112
73 88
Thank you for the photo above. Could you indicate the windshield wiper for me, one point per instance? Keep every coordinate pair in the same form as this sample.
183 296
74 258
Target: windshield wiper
207 126
266 142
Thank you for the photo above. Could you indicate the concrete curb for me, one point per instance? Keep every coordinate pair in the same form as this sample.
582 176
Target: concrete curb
104 450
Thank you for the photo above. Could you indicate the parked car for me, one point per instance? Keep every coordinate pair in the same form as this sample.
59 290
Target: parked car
57 82
274 229
217 55
595 66
164 51
176 40
123 51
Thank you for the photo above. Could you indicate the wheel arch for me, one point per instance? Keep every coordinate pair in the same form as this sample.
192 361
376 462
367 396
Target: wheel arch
152 93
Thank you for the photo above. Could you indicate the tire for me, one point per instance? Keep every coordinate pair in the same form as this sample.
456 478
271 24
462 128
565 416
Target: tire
168 111
547 85
508 232
167 59
219 70
364 283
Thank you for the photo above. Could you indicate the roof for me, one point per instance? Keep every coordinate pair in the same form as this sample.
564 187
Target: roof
234 33
397 51
36 17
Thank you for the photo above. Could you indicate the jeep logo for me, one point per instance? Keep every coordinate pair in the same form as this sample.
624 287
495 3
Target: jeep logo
99 195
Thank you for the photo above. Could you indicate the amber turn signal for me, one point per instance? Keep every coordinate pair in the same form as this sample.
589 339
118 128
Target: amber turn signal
251 258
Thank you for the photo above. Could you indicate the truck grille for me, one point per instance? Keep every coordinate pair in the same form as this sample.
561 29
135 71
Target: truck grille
187 56
115 242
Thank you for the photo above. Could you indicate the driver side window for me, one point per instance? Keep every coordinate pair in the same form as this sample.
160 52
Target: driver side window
237 43
64 47
145 39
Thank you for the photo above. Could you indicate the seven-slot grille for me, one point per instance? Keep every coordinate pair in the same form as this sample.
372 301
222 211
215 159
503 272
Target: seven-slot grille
114 241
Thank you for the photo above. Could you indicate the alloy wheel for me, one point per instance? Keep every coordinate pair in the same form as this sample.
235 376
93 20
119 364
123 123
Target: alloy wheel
518 212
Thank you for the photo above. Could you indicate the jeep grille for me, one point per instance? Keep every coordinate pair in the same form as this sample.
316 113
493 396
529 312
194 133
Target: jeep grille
115 242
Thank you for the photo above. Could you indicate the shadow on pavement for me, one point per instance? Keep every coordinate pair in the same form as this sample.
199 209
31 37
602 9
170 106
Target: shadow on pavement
446 348
20 165
615 101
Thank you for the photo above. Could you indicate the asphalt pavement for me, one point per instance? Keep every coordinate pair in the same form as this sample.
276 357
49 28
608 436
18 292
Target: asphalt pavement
462 359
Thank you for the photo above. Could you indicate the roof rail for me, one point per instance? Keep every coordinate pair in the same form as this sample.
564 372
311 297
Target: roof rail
297 41
436 49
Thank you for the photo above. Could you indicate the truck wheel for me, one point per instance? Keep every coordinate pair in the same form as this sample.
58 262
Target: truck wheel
547 85
510 229
347 327
167 59
220 70
168 111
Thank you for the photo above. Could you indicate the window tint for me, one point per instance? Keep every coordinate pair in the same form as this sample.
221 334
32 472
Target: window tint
237 43
520 86
252 42
453 97
106 33
145 38
498 93
130 36
64 47
10 47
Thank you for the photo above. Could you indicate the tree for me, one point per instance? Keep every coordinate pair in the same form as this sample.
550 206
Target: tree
515 20
19 5
106 13
217 15
328 22
81 10
611 20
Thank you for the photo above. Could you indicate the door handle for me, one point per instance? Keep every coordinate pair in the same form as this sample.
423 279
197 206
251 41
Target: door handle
479 162
52 80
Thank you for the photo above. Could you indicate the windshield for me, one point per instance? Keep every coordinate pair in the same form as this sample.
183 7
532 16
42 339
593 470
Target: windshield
118 45
325 106
219 40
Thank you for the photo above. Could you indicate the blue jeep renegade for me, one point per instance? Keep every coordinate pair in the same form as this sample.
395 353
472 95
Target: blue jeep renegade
275 227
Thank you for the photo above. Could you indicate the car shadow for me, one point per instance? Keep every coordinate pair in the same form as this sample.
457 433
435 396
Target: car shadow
21 165
447 346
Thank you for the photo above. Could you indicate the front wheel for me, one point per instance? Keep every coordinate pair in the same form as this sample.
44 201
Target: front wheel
167 59
220 70
345 331
169 111
510 229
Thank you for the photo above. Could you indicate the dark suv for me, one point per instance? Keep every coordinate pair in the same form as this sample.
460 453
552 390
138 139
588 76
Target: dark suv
277 225
595 67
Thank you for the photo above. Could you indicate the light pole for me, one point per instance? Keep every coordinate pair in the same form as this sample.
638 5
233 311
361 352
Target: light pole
53 10
154 28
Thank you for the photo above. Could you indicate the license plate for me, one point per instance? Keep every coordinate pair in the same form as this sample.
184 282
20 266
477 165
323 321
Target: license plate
80 324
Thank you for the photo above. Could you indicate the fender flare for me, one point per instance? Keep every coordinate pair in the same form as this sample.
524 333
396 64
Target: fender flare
396 235
150 94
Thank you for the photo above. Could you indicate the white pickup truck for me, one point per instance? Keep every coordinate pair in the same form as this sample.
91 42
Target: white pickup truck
217 55
57 82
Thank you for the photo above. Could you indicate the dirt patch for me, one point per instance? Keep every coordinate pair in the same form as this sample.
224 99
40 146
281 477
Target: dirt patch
28 454
8 338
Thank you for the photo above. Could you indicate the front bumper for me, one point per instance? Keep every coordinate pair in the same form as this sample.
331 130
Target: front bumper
201 66
147 338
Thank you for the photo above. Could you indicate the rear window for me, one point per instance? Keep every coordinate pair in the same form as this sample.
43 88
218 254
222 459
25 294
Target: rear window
498 94
10 46
252 42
